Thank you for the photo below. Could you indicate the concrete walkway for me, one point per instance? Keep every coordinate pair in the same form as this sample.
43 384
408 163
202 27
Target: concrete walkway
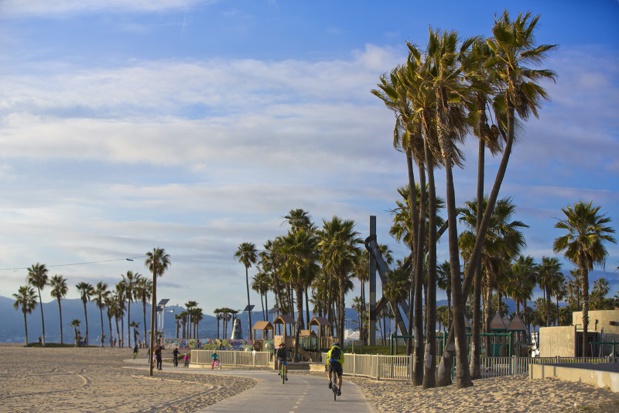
301 393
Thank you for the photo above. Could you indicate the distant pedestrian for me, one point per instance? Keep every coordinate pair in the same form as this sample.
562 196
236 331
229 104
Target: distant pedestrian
186 358
158 357
135 351
175 354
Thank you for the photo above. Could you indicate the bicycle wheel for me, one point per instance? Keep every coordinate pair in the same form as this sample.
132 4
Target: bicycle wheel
334 386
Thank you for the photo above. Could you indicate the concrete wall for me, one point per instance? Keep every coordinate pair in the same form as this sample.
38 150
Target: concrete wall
600 320
598 378
557 341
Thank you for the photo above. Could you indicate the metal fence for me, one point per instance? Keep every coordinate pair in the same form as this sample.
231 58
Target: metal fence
574 360
383 367
229 358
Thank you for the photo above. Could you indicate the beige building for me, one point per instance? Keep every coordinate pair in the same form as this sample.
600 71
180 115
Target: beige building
566 341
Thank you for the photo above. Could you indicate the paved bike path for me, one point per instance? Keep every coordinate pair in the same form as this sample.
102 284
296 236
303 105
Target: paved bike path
301 394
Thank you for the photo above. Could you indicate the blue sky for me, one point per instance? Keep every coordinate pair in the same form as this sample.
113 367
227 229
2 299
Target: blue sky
196 125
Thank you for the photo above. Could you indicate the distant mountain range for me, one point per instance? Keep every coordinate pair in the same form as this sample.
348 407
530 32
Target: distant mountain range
12 327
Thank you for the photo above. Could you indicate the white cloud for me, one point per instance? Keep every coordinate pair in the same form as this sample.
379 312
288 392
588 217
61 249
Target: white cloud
59 8
198 156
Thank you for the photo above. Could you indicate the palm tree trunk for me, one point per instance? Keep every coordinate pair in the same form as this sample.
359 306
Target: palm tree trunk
299 322
249 328
109 319
86 319
585 308
42 319
414 216
117 331
153 310
102 331
429 376
60 313
129 322
476 327
341 310
144 315
26 327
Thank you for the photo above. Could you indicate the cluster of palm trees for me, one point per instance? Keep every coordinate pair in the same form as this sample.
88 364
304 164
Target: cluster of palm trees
224 315
307 265
133 287
188 320
454 88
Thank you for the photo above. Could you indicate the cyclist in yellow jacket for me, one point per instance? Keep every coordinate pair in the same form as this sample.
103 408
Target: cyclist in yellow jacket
335 359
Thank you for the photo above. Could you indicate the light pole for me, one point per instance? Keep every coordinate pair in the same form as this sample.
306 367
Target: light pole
161 313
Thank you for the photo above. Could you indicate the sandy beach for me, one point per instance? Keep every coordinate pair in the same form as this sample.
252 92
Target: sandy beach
97 379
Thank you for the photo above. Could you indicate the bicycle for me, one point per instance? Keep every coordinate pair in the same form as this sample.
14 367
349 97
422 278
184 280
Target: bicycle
334 381
282 371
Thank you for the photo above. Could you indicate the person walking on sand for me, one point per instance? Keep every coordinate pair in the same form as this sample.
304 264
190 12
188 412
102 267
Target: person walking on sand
175 354
158 357
186 358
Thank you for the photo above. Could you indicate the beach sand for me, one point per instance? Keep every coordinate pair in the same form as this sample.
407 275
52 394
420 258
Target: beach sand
97 380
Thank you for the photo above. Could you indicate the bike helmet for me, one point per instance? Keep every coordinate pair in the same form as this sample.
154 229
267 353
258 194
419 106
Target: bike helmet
336 344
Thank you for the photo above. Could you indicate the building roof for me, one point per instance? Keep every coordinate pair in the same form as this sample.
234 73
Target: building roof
284 319
319 321
497 323
516 324
263 325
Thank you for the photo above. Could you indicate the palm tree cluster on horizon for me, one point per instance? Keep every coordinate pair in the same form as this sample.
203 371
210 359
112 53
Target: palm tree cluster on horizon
116 302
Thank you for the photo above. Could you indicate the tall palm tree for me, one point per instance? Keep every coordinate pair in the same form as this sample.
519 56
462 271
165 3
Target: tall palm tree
247 255
189 307
130 280
583 245
409 111
524 275
25 299
143 290
548 271
75 323
396 290
196 316
261 284
100 294
512 47
503 242
136 326
598 300
444 76
157 262
37 277
339 246
121 308
298 268
111 305
59 291
218 317
86 292
483 85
